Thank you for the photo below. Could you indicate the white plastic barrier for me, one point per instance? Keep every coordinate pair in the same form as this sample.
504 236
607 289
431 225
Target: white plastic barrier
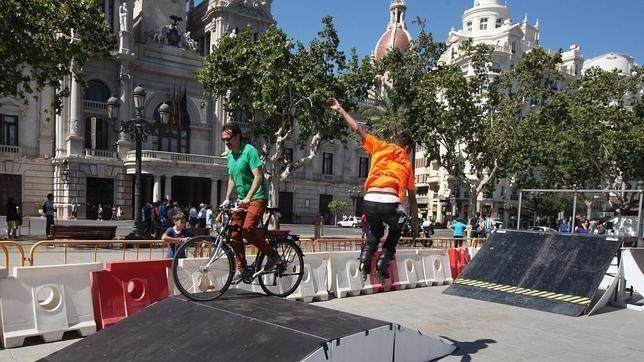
435 266
407 262
610 275
472 251
314 284
345 273
46 301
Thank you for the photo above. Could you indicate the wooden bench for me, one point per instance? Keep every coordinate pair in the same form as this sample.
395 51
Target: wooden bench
78 232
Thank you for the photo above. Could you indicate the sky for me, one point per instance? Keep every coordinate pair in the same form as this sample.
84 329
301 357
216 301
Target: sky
597 26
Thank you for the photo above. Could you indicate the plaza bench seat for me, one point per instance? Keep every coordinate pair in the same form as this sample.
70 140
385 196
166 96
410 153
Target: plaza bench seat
85 232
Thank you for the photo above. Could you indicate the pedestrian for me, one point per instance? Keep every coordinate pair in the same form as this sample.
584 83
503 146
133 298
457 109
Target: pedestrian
163 213
600 228
365 225
583 228
99 212
390 179
75 205
176 234
192 215
245 169
459 229
13 218
201 216
173 210
119 212
564 227
317 222
113 212
210 217
49 211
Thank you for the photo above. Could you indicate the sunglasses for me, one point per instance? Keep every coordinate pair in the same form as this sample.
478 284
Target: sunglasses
226 139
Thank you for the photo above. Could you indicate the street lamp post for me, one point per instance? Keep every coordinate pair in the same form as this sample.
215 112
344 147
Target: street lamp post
138 129
354 194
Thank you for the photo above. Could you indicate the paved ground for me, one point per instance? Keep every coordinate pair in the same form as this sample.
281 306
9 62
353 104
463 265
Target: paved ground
483 331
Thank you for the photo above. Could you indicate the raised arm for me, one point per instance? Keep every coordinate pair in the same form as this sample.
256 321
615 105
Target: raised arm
351 122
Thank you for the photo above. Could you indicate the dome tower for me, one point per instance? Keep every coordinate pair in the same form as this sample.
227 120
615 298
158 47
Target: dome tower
396 35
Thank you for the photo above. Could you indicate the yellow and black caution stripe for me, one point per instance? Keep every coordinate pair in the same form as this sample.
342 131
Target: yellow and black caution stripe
524 291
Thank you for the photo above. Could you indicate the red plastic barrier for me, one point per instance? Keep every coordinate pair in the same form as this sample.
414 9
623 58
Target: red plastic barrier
126 287
393 276
458 260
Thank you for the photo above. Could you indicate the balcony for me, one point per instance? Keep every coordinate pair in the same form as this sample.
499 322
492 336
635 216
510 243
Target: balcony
10 149
89 152
185 158
96 107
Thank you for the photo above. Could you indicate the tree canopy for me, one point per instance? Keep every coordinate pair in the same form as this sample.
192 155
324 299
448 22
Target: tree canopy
41 41
282 86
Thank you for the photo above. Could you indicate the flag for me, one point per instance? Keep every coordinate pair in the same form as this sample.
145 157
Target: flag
184 118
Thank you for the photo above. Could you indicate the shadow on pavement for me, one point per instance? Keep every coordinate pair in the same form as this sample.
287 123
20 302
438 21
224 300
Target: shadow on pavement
466 349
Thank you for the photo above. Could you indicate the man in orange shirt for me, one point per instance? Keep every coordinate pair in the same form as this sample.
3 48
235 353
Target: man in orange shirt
390 178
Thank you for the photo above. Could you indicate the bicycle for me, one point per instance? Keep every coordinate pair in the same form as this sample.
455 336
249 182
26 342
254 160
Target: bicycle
203 267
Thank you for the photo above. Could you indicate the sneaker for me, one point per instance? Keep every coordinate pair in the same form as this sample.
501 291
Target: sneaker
238 278
363 272
272 261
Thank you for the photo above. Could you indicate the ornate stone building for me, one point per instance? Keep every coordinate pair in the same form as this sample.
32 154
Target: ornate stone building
487 22
83 160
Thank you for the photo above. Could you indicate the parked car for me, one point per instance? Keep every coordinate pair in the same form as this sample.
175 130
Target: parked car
541 229
350 222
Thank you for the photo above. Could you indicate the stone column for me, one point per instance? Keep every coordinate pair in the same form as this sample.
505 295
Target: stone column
75 139
167 193
213 193
156 190
439 210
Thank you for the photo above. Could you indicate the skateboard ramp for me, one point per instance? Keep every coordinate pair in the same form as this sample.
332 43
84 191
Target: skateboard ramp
552 272
248 326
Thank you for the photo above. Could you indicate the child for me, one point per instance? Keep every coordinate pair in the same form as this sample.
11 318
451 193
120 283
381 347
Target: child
176 234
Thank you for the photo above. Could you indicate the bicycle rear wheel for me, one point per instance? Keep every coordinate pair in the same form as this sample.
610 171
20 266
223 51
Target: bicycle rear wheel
203 268
285 277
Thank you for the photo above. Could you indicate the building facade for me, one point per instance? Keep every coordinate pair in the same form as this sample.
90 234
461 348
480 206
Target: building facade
83 160
487 22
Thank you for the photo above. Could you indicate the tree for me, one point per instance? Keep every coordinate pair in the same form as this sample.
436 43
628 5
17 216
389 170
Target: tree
336 206
41 41
282 86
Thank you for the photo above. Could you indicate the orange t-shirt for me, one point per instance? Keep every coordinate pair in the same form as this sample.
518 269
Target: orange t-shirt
390 166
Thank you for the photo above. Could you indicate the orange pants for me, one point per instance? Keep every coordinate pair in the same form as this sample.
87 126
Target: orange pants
243 225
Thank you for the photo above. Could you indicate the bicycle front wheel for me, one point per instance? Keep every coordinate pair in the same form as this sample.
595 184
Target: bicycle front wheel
285 277
203 268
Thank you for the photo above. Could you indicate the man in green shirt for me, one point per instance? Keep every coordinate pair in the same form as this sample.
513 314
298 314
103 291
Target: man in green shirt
245 170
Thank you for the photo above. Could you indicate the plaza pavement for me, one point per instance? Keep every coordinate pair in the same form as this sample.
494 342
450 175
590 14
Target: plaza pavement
483 331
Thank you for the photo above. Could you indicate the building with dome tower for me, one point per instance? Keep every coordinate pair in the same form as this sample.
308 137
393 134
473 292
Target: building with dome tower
487 22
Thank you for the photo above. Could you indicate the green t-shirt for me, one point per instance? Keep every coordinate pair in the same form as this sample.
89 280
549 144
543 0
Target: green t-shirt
240 167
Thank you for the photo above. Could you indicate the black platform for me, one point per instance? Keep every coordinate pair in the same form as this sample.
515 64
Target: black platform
552 272
239 326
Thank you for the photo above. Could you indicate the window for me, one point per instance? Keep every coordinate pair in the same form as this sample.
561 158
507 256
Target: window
483 24
96 91
107 7
175 136
101 132
453 52
513 47
496 67
469 26
255 36
465 68
8 130
288 154
363 169
499 22
327 163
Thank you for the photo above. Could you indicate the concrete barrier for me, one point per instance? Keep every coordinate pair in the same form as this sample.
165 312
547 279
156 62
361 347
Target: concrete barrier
46 301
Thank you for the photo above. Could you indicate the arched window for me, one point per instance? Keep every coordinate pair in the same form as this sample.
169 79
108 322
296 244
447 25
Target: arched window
174 136
96 91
